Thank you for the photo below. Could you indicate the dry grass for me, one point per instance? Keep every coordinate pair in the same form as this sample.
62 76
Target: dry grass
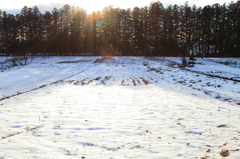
98 78
146 82
4 137
107 78
224 153
89 81
133 81
236 150
154 69
27 128
82 82
225 143
218 97
222 125
208 150
137 146
78 82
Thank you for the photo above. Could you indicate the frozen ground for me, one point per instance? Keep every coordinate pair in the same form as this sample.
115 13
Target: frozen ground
120 107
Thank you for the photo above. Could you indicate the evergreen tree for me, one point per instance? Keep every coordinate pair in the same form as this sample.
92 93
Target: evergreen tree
153 30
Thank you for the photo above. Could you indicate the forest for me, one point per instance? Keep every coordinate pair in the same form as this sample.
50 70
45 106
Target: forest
153 30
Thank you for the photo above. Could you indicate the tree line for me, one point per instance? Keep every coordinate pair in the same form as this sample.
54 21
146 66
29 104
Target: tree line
212 30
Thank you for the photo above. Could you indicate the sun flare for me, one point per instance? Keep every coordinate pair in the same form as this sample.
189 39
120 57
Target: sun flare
93 5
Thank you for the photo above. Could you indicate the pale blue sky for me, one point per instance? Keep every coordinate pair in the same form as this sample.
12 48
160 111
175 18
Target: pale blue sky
15 6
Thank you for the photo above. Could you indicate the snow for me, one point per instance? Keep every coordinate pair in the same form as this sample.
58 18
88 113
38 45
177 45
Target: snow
215 66
40 72
120 107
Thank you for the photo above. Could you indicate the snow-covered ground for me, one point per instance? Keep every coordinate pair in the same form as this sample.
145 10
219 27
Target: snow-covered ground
120 107
40 72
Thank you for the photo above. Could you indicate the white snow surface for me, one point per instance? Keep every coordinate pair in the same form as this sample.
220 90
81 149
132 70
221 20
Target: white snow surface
120 107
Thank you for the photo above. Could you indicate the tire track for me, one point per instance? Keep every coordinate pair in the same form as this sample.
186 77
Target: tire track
198 72
42 86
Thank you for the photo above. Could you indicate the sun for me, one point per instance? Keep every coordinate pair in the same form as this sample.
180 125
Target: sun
93 5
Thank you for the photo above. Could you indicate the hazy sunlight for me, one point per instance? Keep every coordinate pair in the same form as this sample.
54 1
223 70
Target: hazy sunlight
95 5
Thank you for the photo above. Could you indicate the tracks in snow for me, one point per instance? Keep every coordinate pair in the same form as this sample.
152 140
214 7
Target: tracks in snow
198 72
44 85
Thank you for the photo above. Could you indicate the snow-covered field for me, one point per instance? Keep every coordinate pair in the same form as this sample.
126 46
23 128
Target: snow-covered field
120 107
